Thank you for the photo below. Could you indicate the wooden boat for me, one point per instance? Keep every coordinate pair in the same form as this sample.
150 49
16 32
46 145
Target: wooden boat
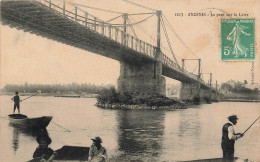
236 159
80 154
68 153
30 123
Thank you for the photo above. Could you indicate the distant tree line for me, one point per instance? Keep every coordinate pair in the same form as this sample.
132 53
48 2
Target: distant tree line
55 88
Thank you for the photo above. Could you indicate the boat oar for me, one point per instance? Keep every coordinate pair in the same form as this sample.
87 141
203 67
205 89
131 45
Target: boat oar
60 126
251 125
30 96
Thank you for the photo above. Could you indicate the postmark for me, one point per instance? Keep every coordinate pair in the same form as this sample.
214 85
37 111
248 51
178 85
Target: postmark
237 39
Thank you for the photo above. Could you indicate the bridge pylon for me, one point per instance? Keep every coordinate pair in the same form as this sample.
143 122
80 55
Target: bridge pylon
191 91
147 76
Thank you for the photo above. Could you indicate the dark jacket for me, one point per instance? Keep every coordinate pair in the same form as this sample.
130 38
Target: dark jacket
16 99
226 142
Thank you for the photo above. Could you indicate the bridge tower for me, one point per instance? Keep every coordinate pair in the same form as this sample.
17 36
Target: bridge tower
189 91
146 76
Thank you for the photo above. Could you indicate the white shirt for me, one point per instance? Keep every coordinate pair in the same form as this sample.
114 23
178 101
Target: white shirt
231 133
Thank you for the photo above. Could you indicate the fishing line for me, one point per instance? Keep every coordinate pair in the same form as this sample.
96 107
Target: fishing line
60 126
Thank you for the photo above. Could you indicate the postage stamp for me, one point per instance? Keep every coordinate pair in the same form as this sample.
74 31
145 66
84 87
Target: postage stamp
237 39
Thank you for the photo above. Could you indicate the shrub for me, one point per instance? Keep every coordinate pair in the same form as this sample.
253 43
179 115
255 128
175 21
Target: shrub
108 96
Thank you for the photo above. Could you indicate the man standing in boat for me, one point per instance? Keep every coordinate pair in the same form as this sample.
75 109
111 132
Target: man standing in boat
17 101
228 138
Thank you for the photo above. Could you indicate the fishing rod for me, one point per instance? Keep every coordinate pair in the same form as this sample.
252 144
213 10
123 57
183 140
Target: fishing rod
251 125
30 96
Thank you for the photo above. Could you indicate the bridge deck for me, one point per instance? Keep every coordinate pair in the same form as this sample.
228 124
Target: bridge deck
37 18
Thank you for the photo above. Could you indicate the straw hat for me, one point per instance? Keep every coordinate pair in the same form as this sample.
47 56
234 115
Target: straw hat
97 139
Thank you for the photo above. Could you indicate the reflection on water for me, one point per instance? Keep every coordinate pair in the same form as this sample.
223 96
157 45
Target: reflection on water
189 124
15 139
180 135
41 136
17 132
140 133
189 127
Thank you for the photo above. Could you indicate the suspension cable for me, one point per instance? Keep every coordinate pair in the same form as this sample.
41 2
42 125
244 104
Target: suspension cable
175 33
113 19
136 4
168 41
134 23
194 69
132 28
143 30
77 4
141 14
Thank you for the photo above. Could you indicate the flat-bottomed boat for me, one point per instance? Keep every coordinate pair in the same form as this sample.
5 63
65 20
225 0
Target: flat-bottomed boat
29 123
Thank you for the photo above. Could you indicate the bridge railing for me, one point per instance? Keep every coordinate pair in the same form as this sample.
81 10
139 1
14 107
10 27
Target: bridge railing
168 62
87 20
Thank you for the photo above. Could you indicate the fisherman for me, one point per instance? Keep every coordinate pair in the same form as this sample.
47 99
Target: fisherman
97 153
17 101
228 138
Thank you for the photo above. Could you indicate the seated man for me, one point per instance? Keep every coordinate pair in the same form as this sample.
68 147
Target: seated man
43 151
97 153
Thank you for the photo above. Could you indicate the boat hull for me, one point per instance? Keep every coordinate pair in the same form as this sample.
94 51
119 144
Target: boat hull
30 123
68 154
236 159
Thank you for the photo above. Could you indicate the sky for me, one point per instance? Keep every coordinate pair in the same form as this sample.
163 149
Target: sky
29 58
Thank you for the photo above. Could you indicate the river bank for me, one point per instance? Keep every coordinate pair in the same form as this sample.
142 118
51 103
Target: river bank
238 100
52 95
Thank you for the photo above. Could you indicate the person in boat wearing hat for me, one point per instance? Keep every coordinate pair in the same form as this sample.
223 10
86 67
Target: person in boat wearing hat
97 153
43 151
17 101
229 137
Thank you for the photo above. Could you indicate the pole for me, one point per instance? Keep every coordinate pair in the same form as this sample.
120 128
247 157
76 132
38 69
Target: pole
95 23
86 19
210 82
158 13
182 64
64 8
124 34
216 88
157 63
76 13
251 125
29 97
198 85
199 69
210 79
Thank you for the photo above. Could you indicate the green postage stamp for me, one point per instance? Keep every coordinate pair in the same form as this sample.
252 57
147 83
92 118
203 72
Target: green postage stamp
237 39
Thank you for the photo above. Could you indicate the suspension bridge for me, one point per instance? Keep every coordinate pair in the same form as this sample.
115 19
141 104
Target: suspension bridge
143 64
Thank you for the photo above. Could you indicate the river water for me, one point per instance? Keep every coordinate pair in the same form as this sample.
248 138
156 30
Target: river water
138 135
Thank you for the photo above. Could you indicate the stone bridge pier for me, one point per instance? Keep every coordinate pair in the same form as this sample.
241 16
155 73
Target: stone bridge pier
206 94
144 77
189 91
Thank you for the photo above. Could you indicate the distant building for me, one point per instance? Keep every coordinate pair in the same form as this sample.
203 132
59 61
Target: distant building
225 91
